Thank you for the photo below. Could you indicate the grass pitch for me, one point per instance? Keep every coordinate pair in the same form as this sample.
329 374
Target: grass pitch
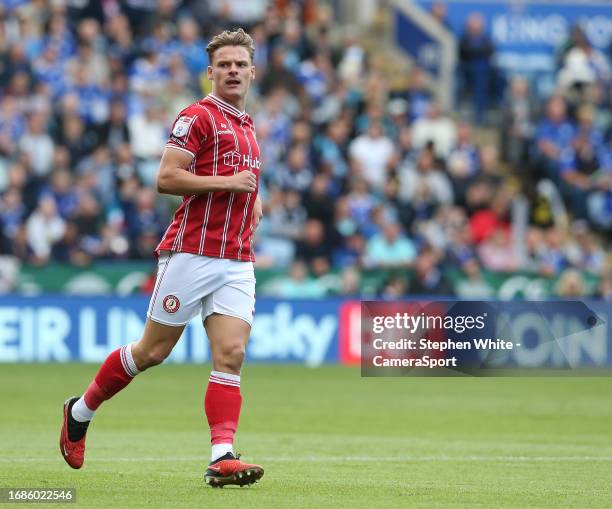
326 437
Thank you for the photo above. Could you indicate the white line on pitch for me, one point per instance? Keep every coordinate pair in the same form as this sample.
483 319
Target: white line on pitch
334 459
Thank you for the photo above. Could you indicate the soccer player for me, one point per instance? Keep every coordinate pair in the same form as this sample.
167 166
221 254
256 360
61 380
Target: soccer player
205 260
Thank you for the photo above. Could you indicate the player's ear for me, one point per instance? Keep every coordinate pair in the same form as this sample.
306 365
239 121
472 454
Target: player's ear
209 73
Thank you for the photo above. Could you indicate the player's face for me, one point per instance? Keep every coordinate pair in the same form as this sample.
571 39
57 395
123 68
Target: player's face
231 73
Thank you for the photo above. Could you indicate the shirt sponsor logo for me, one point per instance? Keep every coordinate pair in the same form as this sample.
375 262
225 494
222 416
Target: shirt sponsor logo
235 158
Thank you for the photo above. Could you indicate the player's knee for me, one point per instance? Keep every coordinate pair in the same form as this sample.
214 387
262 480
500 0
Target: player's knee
233 357
157 356
147 358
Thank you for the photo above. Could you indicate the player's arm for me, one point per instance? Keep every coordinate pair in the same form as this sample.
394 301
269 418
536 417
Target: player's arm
174 177
257 211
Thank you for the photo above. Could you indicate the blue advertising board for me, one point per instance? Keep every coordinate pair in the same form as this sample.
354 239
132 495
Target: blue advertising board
87 329
310 332
527 34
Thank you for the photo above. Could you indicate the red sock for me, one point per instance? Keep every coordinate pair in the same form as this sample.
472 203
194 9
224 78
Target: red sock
116 372
222 405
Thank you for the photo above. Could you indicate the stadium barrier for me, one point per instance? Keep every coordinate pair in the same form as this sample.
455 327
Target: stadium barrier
128 277
311 332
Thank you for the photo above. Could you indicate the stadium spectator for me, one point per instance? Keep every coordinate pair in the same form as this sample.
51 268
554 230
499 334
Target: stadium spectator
419 94
298 284
297 173
463 162
584 251
330 148
604 290
189 46
37 144
361 204
474 286
394 287
496 252
373 154
62 189
317 203
114 131
314 249
350 282
390 248
425 185
78 141
12 213
582 65
44 227
580 173
554 135
475 56
517 126
571 285
278 74
553 258
428 277
9 269
492 217
315 76
147 138
435 130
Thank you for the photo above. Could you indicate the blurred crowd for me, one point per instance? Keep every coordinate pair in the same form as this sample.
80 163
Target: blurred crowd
357 174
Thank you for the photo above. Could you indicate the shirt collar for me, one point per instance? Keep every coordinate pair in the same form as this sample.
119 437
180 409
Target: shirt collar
226 106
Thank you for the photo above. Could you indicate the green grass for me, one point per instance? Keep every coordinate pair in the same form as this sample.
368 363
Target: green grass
326 437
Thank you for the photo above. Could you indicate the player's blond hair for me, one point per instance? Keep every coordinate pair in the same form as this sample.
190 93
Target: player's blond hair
227 38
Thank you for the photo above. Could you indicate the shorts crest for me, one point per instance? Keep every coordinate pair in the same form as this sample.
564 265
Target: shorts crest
171 304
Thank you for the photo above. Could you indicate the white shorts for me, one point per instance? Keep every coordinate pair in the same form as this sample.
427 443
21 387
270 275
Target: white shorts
188 284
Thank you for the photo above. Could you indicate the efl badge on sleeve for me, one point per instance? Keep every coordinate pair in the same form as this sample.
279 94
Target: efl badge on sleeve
181 126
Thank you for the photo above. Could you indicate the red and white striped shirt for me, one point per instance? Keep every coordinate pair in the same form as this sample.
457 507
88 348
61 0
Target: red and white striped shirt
222 141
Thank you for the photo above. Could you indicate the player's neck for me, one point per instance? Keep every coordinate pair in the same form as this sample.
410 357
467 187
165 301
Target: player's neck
239 104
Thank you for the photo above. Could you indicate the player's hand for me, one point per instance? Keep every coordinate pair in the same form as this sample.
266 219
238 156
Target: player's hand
242 182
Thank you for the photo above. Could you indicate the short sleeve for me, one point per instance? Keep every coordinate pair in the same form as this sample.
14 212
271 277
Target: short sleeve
188 131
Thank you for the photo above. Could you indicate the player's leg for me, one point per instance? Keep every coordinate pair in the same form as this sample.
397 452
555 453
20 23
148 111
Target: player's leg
228 314
116 372
172 305
122 365
228 336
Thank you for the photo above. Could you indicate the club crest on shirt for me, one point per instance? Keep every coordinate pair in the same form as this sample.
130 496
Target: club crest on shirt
171 304
181 126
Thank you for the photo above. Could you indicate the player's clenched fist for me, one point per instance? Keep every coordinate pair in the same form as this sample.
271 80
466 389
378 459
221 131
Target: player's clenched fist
242 182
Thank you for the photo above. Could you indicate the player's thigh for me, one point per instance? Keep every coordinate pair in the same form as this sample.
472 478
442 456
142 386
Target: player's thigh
159 336
228 314
235 298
